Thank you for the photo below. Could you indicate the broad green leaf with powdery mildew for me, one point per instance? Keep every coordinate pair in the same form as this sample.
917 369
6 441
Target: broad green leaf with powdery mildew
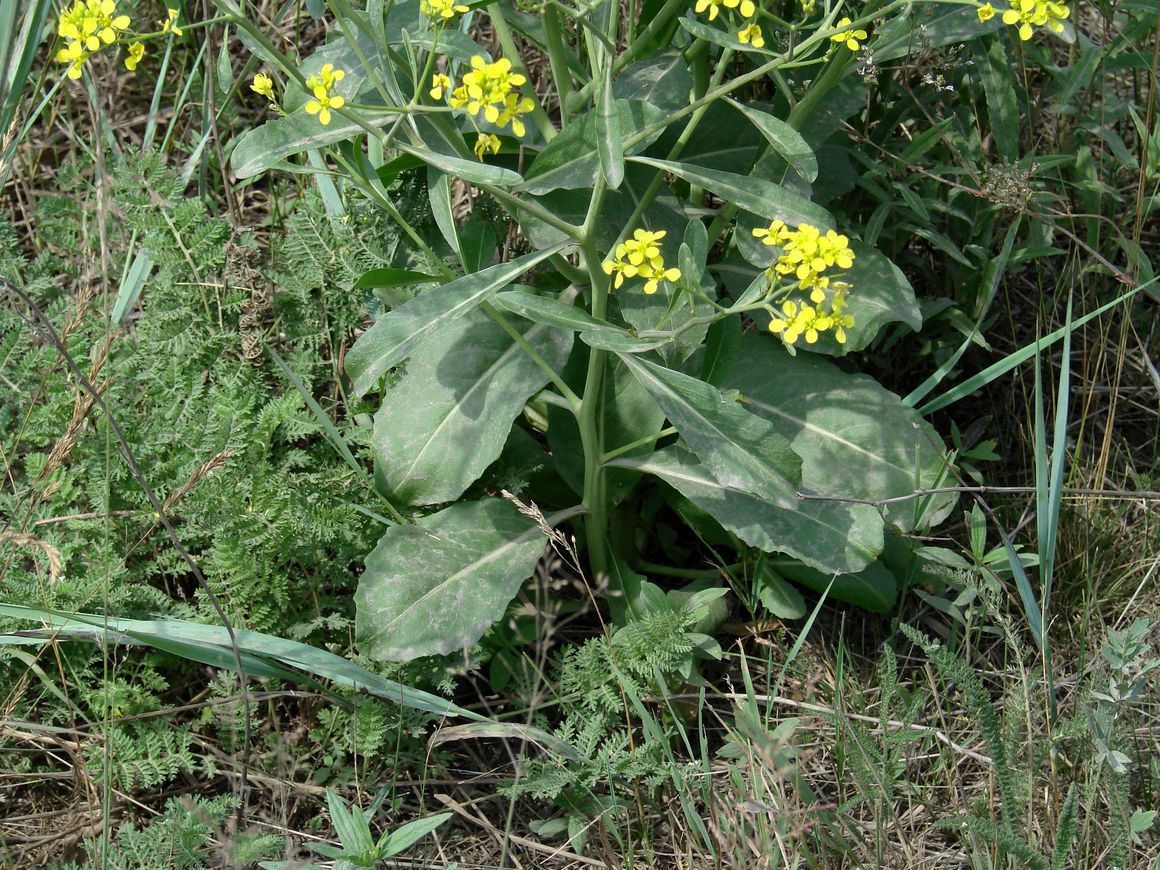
263 147
763 198
396 334
829 536
435 587
783 138
855 438
550 310
447 416
743 451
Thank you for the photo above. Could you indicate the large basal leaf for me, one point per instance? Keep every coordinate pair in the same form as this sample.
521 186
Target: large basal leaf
397 333
763 198
437 586
855 438
742 450
447 417
832 537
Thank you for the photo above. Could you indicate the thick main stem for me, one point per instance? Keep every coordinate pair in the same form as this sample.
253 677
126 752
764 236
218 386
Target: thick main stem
589 421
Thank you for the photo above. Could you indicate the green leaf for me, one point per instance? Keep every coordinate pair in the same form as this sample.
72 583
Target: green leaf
397 333
722 348
550 311
763 198
192 639
830 536
392 278
437 586
1002 106
778 597
477 244
855 439
620 342
461 167
783 138
609 144
743 451
409 834
662 80
447 416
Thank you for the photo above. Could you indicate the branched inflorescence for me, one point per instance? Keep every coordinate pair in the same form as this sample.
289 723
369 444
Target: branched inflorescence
89 26
807 260
641 257
489 90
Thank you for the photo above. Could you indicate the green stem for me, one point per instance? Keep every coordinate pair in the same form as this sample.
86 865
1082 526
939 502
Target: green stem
504 34
596 522
554 376
558 58
514 203
640 442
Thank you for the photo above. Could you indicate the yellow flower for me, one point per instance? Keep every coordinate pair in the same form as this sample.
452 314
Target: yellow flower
326 77
751 35
986 12
489 89
711 6
75 55
1038 13
486 142
436 9
136 52
513 106
263 85
169 25
848 37
439 84
323 102
798 321
641 257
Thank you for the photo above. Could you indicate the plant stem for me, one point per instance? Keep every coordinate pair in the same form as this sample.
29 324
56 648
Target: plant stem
558 58
589 421
553 375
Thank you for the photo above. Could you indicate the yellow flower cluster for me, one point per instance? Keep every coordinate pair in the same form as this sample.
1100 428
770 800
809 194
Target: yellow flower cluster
1029 14
849 37
169 25
806 255
750 33
443 10
640 257
490 90
322 86
88 26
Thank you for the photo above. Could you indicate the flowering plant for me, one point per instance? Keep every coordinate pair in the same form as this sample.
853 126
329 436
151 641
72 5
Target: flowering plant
674 319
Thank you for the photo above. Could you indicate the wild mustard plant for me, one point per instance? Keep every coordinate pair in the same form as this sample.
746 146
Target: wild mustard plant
620 334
